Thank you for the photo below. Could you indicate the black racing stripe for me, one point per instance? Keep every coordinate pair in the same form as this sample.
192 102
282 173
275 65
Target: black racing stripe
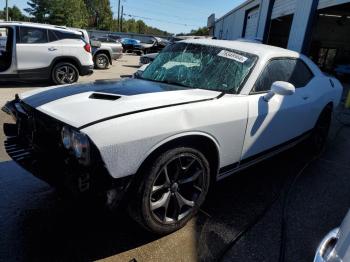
145 110
127 87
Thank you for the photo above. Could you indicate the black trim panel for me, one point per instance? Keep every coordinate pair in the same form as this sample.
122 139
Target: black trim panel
246 161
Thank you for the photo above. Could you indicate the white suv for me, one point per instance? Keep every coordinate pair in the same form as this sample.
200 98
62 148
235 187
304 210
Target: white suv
44 52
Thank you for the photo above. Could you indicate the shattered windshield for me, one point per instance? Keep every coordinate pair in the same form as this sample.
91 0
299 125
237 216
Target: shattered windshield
201 66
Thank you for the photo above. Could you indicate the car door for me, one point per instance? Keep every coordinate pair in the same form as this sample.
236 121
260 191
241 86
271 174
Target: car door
283 118
34 51
7 50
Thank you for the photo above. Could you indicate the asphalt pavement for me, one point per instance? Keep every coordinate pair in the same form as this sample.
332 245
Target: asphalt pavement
240 221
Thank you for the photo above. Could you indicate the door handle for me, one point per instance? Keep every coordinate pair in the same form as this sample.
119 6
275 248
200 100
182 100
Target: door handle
52 49
306 97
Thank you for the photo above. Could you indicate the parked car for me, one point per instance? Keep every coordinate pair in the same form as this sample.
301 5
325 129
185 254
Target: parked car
129 44
153 45
3 41
148 58
335 247
114 37
202 111
44 52
343 71
105 51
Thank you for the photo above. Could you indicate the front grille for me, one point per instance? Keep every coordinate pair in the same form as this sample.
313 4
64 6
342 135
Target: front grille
38 129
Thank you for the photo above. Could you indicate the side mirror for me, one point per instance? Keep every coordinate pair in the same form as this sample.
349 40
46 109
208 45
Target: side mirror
280 88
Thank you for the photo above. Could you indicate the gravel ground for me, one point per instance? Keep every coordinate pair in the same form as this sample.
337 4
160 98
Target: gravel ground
37 225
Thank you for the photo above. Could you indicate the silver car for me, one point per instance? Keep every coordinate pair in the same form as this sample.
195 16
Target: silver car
106 51
335 246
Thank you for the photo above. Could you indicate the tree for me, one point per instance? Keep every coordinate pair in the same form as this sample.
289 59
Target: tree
74 16
15 14
100 13
40 9
202 31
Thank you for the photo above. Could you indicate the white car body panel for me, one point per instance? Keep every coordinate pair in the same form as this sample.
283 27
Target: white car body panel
125 151
126 131
33 56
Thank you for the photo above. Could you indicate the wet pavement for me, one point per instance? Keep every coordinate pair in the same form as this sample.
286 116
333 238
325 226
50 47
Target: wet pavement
36 224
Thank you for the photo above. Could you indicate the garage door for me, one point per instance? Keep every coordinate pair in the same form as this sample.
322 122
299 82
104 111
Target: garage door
252 23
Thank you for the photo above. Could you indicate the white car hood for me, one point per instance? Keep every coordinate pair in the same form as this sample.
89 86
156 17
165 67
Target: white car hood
84 104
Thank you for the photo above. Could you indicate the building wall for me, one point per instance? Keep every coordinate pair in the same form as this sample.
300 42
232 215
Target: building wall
231 25
328 3
283 7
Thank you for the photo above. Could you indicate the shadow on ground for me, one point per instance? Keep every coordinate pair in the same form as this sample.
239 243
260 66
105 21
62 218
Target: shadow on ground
39 225
24 84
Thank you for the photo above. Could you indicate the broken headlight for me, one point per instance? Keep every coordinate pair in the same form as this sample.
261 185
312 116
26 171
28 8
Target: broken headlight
77 143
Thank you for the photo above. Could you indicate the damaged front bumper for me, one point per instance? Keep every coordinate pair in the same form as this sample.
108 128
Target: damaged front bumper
40 153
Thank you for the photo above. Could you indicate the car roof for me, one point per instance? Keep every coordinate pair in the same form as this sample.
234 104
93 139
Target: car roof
43 26
258 49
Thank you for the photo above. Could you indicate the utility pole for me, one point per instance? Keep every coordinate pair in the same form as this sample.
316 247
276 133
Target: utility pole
119 15
121 20
7 10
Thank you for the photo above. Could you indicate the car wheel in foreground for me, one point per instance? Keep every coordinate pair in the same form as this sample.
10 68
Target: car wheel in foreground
171 190
319 134
64 73
101 61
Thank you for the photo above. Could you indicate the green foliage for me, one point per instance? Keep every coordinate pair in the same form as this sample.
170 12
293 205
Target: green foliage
133 26
100 14
40 9
93 14
202 31
74 16
15 14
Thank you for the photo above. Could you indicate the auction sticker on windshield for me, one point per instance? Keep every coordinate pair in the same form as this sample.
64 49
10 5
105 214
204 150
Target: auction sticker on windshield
233 56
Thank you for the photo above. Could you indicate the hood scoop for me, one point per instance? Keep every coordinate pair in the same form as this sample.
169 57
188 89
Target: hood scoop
101 96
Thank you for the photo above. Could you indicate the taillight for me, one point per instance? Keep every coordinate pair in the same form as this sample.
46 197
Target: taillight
87 48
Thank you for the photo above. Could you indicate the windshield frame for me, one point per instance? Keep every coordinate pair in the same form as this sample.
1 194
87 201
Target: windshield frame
232 90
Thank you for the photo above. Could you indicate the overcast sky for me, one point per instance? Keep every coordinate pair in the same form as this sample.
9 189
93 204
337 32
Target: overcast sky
173 16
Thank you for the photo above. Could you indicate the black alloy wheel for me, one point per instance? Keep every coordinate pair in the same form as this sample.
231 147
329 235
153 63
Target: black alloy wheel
173 190
65 73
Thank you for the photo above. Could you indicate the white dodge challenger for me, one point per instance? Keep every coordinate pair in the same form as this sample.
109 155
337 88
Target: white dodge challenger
201 111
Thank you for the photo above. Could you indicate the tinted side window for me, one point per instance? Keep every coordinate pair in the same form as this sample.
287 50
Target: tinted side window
31 35
289 70
52 36
301 74
66 35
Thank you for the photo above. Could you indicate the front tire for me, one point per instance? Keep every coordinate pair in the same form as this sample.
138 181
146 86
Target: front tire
64 73
171 190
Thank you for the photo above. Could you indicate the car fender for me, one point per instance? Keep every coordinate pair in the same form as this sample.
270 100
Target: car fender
182 135
125 142
104 49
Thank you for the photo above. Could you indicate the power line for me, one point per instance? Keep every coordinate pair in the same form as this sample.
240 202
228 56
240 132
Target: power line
159 20
163 14
183 8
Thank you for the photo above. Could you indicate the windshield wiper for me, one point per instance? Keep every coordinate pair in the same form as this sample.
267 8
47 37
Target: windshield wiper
169 82
175 83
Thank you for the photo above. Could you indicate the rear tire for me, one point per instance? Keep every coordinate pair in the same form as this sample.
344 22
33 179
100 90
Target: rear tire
64 73
319 135
170 190
101 61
